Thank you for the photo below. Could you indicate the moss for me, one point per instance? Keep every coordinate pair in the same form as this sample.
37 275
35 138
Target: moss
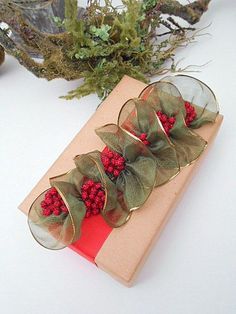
107 43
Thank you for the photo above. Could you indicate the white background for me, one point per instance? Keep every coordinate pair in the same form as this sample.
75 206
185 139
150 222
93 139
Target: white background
192 269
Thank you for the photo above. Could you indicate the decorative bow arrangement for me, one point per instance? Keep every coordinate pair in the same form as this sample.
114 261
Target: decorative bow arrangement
152 140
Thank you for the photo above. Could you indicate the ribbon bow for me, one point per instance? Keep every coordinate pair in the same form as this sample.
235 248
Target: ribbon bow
169 106
138 118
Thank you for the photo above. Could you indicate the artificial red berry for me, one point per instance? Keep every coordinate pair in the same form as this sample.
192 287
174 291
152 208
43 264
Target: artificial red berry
166 126
113 161
51 207
116 173
119 162
171 120
53 191
110 169
85 187
47 212
94 206
90 183
84 195
106 162
94 190
98 186
47 194
88 204
167 122
163 118
92 196
143 136
159 114
44 204
57 203
116 156
145 142
64 209
120 168
190 113
100 193
56 212
48 200
110 154
97 200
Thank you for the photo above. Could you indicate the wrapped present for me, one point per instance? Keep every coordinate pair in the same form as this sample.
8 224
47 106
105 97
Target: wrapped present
109 194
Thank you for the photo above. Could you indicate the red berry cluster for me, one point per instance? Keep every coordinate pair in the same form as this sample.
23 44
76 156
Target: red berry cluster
190 113
113 162
53 204
93 196
167 122
143 138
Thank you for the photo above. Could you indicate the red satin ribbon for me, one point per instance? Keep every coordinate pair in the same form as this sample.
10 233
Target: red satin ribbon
94 232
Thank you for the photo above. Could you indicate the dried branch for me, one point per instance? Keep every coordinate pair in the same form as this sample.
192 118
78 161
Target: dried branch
191 12
55 63
2 55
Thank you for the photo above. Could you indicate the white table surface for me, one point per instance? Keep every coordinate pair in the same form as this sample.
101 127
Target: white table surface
192 269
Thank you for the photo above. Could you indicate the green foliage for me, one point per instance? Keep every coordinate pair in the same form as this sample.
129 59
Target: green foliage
101 32
113 42
149 4
104 77
58 21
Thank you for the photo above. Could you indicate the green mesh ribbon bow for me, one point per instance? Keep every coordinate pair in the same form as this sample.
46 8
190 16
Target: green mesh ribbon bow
57 231
138 179
165 98
138 118
199 95
115 212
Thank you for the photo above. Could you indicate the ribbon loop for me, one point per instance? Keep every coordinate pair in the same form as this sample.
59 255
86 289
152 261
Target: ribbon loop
140 119
138 179
199 95
167 101
56 229
114 210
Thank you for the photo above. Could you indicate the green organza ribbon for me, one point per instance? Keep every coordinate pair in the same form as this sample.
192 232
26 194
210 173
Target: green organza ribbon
115 210
137 117
199 95
165 97
146 166
56 232
138 179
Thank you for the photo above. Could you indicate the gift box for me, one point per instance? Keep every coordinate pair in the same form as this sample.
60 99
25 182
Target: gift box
121 251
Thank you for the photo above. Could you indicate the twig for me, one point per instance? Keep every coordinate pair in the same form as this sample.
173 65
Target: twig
2 55
191 12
